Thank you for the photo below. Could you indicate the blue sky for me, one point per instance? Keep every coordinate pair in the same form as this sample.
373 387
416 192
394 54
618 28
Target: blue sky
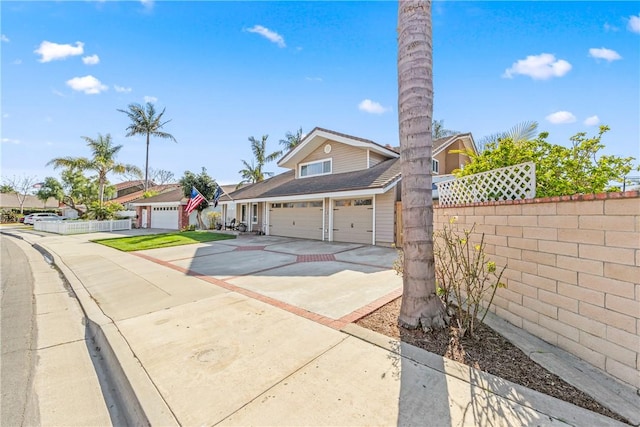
229 70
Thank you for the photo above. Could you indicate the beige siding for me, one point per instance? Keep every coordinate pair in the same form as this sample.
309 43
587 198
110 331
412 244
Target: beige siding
449 161
345 158
385 216
375 158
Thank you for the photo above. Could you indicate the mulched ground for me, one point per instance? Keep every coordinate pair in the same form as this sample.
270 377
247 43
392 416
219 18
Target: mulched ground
489 352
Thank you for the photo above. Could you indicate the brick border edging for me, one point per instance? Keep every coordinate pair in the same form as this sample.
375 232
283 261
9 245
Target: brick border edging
553 199
336 324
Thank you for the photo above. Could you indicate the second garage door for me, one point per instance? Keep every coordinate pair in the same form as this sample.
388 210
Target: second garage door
353 221
296 219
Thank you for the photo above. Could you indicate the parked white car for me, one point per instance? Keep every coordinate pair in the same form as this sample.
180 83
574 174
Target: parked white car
47 216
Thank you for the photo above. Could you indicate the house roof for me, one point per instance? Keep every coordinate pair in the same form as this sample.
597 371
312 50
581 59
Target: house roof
442 143
319 136
377 177
174 195
128 198
10 201
128 184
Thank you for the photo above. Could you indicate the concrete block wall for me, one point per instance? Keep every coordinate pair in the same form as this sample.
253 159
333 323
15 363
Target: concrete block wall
573 272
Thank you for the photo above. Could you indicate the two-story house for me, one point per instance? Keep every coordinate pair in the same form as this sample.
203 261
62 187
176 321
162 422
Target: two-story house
338 188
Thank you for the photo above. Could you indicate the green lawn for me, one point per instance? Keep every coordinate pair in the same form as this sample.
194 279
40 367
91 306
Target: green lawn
152 241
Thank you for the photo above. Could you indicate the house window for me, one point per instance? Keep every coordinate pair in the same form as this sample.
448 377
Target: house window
243 213
254 213
322 167
435 166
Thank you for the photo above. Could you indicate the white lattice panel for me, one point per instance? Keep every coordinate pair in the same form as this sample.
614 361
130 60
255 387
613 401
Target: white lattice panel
511 183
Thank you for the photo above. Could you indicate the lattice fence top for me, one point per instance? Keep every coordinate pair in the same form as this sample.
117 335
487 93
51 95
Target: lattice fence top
511 183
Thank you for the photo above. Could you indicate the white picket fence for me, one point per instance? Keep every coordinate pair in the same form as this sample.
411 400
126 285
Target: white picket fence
511 183
80 227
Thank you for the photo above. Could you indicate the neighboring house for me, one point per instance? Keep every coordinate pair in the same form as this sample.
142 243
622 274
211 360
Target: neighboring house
164 210
339 188
445 162
134 194
10 201
128 187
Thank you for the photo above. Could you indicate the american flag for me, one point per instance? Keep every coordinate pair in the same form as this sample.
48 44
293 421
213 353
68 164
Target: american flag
194 201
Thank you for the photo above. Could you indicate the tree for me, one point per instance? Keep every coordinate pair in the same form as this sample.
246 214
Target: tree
420 304
560 170
291 140
74 189
205 185
21 187
145 121
439 131
254 172
102 162
523 131
160 176
7 189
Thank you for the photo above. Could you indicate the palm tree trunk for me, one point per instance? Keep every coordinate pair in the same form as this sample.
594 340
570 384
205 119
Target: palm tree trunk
146 167
420 304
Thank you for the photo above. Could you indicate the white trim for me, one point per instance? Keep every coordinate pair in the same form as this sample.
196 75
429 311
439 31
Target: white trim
300 165
256 205
156 204
368 158
373 220
323 218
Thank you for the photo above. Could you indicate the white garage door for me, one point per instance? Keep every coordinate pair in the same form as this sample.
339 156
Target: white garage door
296 219
353 221
165 217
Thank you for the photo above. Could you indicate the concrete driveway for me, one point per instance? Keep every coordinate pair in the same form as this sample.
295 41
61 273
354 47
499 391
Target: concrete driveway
329 279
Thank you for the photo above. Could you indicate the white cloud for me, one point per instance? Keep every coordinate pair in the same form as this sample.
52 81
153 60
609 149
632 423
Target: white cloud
87 84
592 121
151 99
91 60
539 67
4 38
16 62
5 115
268 34
561 117
10 141
53 51
604 53
609 27
369 106
634 24
122 89
313 79
148 4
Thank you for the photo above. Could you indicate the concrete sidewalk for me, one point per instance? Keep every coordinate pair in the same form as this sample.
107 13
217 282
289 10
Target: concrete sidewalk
189 346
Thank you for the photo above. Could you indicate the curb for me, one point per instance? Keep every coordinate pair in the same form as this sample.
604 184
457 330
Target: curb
137 397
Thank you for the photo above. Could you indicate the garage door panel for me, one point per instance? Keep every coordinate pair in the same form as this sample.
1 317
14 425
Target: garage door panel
164 217
300 219
353 221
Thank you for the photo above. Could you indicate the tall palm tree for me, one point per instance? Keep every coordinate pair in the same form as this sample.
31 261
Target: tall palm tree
145 121
291 140
254 172
420 304
102 161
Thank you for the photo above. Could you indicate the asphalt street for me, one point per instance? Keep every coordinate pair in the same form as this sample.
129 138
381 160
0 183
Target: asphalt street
18 334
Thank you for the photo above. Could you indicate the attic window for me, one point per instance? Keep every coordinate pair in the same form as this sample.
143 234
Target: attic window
322 167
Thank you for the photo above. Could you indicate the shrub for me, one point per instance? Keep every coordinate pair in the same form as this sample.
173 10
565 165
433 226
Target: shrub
464 275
